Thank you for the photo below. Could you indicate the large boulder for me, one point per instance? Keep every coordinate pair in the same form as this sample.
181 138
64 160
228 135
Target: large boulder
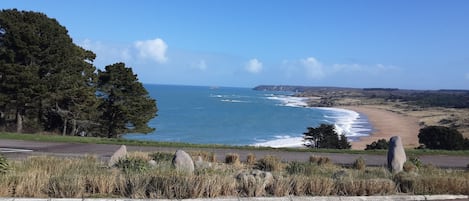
396 155
118 155
182 162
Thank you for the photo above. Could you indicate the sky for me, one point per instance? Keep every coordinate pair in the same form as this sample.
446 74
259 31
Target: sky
408 44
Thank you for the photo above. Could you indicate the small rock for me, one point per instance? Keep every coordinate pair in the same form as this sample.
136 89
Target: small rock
119 154
152 163
182 162
396 155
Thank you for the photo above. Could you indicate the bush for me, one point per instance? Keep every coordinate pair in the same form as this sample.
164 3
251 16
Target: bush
269 163
3 165
319 160
131 164
251 159
359 164
232 159
161 156
441 137
379 144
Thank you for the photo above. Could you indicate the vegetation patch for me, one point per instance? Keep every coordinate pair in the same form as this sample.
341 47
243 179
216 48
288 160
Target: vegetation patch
87 177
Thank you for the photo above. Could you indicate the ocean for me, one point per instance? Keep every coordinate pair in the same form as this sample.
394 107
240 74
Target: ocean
241 116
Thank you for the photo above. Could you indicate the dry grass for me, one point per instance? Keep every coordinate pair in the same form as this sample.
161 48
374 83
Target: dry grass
44 177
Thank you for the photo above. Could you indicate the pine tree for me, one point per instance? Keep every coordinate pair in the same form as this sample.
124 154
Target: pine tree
325 136
126 106
46 81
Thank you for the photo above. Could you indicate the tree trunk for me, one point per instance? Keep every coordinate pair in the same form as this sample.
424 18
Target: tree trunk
19 122
74 127
64 131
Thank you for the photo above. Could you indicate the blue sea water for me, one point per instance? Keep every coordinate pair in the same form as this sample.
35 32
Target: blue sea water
241 116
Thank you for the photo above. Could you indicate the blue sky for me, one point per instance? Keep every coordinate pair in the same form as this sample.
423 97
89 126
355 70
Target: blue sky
416 44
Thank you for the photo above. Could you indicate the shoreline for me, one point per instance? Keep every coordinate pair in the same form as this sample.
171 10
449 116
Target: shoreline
385 125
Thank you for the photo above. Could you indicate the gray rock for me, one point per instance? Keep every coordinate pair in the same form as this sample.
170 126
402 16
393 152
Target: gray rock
200 164
182 162
152 163
396 155
119 154
256 177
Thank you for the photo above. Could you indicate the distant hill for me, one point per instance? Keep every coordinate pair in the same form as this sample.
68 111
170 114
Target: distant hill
425 98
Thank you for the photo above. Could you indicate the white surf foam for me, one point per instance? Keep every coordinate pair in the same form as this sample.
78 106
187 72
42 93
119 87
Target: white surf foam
290 101
346 122
282 141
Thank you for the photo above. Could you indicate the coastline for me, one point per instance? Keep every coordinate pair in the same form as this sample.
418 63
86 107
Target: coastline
385 125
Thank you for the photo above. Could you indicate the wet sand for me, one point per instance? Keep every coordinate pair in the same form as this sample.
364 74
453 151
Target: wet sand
387 124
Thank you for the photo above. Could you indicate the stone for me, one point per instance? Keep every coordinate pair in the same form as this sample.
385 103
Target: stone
152 163
256 177
396 155
118 155
200 164
182 162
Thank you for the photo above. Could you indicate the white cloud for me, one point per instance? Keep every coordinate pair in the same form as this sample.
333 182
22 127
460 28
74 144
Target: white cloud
254 66
313 68
152 49
107 53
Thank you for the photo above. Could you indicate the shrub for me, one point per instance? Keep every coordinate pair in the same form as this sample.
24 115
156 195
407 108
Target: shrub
269 163
251 159
379 144
319 160
416 161
232 159
3 165
162 156
131 164
295 167
409 167
441 137
359 164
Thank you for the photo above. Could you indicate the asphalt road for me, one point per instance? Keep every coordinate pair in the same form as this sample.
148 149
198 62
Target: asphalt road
19 149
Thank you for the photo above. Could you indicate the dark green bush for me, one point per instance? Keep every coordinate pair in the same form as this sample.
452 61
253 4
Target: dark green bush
441 137
161 156
379 144
130 164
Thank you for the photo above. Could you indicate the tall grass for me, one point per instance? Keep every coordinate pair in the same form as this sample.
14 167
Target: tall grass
44 177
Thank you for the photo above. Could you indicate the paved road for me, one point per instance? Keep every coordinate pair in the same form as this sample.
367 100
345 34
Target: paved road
104 152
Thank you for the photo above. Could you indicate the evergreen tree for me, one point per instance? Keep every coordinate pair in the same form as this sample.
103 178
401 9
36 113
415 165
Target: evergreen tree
325 136
126 106
45 79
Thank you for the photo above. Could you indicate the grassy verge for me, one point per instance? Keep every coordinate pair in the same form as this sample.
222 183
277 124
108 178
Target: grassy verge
119 141
50 177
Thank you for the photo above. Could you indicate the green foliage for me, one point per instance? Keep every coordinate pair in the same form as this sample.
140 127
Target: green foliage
441 137
325 136
379 144
161 156
126 106
131 164
4 166
48 83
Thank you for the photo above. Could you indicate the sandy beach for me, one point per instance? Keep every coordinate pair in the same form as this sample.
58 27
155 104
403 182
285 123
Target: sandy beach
387 124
